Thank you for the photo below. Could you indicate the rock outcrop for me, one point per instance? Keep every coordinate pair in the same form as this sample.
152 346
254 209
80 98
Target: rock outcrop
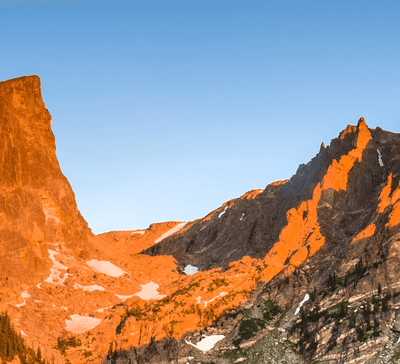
37 204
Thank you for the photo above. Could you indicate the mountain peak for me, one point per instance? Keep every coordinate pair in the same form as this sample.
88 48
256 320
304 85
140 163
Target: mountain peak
362 122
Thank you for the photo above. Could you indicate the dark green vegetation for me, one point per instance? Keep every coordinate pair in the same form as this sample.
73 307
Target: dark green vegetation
360 321
64 344
247 329
271 348
12 344
249 326
176 301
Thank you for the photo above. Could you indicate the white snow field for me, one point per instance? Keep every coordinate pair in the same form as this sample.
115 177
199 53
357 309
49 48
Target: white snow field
102 266
190 270
380 158
306 298
149 292
124 298
89 288
55 273
222 212
141 232
222 294
79 324
207 343
24 295
170 232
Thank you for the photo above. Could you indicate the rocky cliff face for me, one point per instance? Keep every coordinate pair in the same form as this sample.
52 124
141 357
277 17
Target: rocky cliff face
37 204
304 270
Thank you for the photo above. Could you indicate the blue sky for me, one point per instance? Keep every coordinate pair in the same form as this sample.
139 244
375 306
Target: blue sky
164 109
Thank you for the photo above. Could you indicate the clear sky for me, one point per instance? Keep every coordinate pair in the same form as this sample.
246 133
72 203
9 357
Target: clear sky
164 109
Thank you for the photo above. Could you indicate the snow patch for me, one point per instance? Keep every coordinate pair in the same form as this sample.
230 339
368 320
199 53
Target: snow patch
170 232
124 298
55 274
89 288
102 266
207 343
380 158
149 292
190 270
38 286
79 324
222 212
23 334
141 232
222 294
306 298
241 217
24 295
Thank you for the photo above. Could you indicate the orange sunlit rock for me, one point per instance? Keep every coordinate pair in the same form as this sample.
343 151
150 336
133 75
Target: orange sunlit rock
387 197
299 257
366 233
135 241
337 174
251 194
384 197
394 217
349 129
300 237
278 183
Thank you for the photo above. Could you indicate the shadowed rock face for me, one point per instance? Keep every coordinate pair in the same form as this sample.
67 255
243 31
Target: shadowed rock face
37 204
251 224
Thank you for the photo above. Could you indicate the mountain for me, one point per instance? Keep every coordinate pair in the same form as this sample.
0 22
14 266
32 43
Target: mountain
54 272
306 270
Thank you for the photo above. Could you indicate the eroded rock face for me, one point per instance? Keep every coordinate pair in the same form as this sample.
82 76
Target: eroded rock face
37 204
